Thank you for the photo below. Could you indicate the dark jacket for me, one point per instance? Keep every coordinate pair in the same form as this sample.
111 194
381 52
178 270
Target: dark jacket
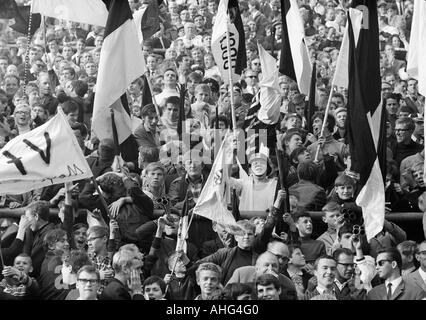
116 290
50 279
34 247
405 291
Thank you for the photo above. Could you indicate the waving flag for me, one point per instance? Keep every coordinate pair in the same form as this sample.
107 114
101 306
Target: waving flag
366 130
48 155
228 18
82 11
294 60
416 62
121 62
212 203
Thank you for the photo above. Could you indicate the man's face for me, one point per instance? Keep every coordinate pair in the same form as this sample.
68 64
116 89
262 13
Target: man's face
326 272
304 225
345 266
172 112
184 15
22 116
151 63
169 78
80 238
23 264
297 258
268 292
345 192
80 46
403 134
91 69
316 126
331 217
341 119
338 102
255 65
11 85
245 241
87 285
96 244
194 167
199 22
172 229
293 122
421 256
390 79
33 218
384 266
62 244
208 281
153 292
392 105
38 111
295 142
259 167
412 87
150 122
304 157
67 52
156 178
3 65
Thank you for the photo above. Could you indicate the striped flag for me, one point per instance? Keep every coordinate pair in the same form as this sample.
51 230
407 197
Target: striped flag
121 62
147 20
366 125
228 18
294 60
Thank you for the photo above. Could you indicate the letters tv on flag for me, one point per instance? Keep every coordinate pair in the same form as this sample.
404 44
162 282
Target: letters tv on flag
228 18
47 155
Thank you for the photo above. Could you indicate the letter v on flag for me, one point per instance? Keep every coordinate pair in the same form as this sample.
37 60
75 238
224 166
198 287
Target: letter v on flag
49 154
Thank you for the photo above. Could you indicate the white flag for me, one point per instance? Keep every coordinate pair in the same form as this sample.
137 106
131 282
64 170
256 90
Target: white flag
212 201
82 11
270 96
47 155
416 61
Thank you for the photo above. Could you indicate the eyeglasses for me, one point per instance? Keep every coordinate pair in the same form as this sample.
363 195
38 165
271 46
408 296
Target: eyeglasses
92 239
86 281
401 130
346 265
251 76
382 262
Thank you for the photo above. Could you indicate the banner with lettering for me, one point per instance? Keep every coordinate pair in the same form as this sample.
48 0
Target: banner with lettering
228 19
47 155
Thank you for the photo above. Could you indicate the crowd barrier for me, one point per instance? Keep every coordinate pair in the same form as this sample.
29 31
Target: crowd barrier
411 222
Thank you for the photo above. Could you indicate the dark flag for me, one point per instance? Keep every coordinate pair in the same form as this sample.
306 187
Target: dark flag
366 125
146 92
228 18
294 60
309 112
21 17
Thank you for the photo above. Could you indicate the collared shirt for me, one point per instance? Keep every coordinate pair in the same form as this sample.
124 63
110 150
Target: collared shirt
195 187
422 274
325 290
102 264
417 140
340 285
395 284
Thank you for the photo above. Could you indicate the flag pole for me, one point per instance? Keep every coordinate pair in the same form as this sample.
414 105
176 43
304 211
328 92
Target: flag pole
101 196
231 84
27 53
324 121
157 108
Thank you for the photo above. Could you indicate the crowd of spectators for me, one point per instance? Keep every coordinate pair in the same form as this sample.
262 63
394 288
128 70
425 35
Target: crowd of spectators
87 252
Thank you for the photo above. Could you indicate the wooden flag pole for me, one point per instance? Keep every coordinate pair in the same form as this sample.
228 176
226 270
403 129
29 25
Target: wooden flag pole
101 196
324 121
157 108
